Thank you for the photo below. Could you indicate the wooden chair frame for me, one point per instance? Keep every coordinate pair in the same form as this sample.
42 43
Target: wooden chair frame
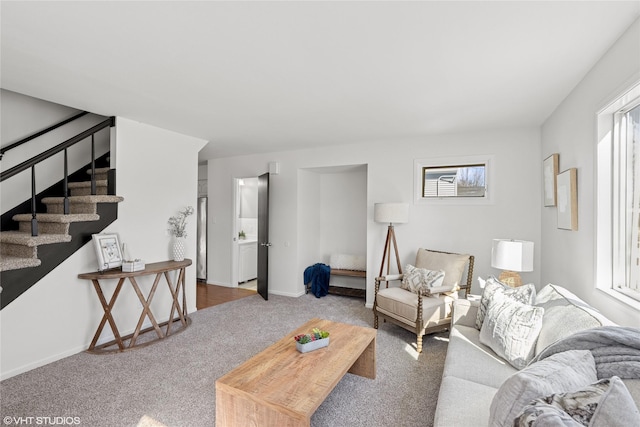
419 328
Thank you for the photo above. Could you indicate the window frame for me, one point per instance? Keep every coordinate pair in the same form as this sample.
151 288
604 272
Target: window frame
610 183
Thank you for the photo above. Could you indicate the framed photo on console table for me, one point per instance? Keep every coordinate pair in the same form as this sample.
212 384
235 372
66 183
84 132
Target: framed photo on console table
108 251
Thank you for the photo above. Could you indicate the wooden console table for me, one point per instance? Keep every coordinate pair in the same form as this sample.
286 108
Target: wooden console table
159 269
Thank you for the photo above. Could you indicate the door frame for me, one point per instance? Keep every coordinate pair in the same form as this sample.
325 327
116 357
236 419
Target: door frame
235 229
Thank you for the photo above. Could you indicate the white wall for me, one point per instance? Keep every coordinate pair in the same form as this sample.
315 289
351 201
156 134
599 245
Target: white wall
57 317
343 213
513 213
22 116
568 257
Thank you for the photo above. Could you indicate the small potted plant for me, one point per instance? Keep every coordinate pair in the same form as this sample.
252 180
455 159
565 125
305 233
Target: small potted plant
313 341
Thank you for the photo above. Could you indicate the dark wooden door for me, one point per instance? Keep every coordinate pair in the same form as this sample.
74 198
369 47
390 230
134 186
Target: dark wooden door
263 235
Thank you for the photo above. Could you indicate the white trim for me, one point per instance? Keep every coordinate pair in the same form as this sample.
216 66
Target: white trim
620 297
607 122
419 164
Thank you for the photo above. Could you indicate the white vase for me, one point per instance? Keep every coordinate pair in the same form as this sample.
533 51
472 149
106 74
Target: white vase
178 248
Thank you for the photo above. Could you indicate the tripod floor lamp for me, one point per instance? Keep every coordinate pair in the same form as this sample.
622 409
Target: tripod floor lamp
390 213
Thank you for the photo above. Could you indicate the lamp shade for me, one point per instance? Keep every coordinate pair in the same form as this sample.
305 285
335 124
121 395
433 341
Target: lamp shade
512 255
397 213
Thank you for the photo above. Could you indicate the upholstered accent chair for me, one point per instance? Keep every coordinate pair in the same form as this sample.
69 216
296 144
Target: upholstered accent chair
418 312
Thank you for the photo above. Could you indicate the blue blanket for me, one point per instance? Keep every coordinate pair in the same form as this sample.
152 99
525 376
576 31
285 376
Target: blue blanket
318 275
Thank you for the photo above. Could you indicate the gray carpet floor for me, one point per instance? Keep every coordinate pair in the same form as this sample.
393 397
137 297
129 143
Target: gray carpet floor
172 382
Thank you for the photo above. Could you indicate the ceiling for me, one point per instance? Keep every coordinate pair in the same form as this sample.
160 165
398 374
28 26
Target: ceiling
254 77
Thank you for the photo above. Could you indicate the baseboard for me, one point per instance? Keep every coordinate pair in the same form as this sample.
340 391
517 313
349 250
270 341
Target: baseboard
42 362
106 337
287 294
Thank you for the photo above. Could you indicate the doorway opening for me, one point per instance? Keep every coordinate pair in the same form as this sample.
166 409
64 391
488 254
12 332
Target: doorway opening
244 266
332 212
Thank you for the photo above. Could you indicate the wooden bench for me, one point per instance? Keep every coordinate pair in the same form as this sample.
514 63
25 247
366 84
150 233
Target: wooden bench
349 273
346 291
341 290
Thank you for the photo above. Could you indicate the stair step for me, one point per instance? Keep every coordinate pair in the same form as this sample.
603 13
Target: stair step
84 188
14 263
52 223
57 218
101 173
26 239
24 245
85 184
79 204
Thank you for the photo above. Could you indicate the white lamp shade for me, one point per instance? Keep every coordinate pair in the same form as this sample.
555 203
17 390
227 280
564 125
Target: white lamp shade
397 213
512 255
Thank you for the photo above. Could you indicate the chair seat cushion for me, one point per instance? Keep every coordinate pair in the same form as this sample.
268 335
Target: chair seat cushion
403 305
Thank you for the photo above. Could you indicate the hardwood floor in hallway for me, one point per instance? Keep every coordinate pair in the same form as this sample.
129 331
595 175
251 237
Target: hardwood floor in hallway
210 295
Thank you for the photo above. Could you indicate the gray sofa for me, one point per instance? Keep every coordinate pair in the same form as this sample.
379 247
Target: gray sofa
474 373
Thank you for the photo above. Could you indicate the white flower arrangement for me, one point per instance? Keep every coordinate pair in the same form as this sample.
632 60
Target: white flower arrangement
178 223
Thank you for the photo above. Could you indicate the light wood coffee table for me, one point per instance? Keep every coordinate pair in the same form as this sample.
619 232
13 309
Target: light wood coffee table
282 387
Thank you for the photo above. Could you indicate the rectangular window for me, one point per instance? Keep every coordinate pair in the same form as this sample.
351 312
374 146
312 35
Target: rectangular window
619 193
463 179
626 275
454 181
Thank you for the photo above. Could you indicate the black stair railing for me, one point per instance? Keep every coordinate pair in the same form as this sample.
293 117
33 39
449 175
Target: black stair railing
40 133
32 162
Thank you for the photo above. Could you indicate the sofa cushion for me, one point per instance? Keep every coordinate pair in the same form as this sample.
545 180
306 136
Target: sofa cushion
511 329
633 385
562 372
463 403
348 262
525 294
403 305
421 280
452 265
469 359
564 314
605 403
617 407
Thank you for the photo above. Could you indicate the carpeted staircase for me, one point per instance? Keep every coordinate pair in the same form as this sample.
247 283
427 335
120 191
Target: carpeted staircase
19 249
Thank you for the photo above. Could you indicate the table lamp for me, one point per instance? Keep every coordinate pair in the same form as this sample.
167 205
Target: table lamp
511 256
390 213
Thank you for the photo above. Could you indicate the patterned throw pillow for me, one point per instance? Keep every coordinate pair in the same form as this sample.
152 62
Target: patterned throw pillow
604 403
525 294
562 372
420 280
511 329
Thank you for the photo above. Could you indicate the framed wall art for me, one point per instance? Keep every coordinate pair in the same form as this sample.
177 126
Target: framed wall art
108 251
550 175
567 199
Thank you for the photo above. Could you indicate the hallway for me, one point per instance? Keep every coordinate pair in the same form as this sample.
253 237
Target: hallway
210 295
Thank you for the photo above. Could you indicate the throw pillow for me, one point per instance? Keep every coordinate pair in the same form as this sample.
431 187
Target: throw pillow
562 372
511 329
616 407
420 280
565 314
526 294
452 264
605 403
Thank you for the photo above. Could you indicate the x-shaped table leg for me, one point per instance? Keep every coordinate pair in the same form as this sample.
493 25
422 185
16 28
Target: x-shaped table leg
146 310
175 305
107 314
